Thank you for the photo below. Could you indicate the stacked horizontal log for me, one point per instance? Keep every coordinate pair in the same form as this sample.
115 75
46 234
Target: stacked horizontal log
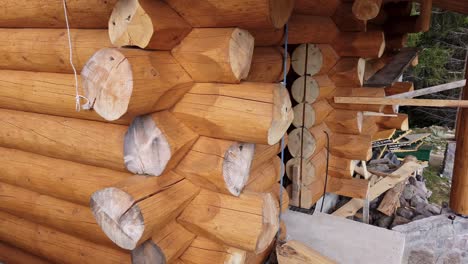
338 46
173 156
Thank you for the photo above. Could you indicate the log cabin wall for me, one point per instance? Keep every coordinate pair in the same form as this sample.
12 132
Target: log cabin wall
174 159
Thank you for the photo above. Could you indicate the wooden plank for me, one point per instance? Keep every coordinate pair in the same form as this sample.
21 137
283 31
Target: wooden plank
430 90
401 102
350 208
393 70
391 199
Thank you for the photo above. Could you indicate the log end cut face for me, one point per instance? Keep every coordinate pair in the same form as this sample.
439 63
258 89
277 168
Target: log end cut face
241 49
236 166
108 83
301 143
282 115
146 148
366 9
270 212
130 25
118 216
307 59
280 11
148 253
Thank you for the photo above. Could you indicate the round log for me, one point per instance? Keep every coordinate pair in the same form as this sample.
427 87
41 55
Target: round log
368 45
118 81
64 216
312 59
55 246
366 9
307 116
354 147
304 143
203 249
311 29
133 210
165 246
242 13
146 24
315 88
348 72
264 153
65 180
267 65
36 14
346 20
247 222
267 36
218 165
265 176
156 143
232 112
345 121
216 54
316 7
88 142
13 255
51 52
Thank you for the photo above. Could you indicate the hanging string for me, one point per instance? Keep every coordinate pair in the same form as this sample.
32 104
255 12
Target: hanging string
326 174
78 97
285 73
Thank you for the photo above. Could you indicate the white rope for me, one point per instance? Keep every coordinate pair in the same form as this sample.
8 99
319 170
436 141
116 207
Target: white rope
78 97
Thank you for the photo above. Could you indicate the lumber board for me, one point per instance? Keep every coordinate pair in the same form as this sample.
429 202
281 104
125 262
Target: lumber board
393 70
401 102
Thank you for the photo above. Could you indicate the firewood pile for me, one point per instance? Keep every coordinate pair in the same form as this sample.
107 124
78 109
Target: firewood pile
172 157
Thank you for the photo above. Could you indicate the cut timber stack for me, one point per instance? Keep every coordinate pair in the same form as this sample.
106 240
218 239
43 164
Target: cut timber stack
337 47
173 156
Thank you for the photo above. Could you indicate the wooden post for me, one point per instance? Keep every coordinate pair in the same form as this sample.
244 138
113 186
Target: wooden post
459 193
118 81
244 13
313 179
218 165
27 14
135 208
310 89
65 180
366 9
247 222
267 65
146 24
54 245
156 143
311 29
64 216
312 59
368 45
203 249
216 54
92 143
50 52
246 112
165 246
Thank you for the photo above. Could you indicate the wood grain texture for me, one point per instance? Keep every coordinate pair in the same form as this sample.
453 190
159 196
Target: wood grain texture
216 54
203 250
54 245
51 51
213 110
88 142
13 255
146 24
311 29
118 81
